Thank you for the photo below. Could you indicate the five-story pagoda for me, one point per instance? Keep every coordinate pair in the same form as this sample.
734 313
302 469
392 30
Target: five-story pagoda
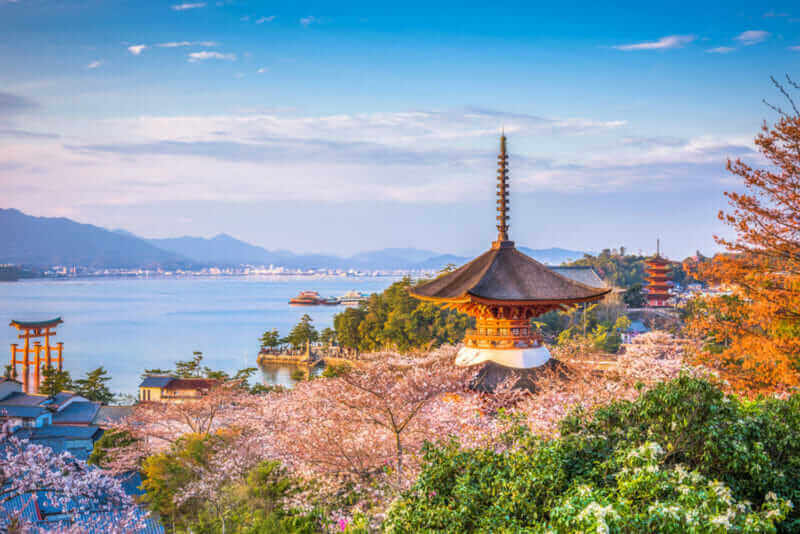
504 289
658 279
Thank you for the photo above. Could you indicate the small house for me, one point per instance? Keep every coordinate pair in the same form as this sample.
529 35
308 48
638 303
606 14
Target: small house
172 389
635 329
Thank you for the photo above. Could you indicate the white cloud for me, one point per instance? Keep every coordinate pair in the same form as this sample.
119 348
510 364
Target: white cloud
94 64
670 41
262 20
137 49
413 157
262 70
245 18
795 48
721 50
176 44
772 13
185 6
751 37
308 21
194 57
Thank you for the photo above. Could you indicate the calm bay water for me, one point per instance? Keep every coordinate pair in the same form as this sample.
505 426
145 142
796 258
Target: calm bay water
127 325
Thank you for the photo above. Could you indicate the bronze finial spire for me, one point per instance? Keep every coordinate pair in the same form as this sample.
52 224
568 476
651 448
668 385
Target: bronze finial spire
502 194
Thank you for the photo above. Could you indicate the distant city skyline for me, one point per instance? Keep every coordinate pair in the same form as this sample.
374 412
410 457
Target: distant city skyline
345 127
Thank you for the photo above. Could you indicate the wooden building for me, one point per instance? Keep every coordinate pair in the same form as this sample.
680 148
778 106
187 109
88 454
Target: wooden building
504 290
658 280
173 389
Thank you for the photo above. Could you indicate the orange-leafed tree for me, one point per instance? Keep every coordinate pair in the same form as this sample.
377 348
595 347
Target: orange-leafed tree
752 332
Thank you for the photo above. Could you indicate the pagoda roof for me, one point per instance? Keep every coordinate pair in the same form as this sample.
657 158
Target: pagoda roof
583 274
505 274
21 325
657 260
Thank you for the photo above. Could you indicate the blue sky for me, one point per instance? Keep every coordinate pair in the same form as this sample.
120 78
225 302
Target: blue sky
346 126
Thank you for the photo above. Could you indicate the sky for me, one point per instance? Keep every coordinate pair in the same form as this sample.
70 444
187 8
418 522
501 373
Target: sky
340 127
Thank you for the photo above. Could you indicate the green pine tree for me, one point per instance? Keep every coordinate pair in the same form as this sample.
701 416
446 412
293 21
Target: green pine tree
94 387
190 368
270 339
302 332
55 381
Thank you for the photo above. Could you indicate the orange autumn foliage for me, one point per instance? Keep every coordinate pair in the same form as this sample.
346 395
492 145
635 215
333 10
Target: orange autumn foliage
753 333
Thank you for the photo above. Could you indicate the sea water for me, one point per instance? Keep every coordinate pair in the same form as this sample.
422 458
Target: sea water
128 325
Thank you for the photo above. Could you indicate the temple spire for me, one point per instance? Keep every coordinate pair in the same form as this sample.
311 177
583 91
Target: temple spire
502 194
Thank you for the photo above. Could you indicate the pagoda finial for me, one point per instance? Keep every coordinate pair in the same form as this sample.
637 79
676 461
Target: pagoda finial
502 193
658 247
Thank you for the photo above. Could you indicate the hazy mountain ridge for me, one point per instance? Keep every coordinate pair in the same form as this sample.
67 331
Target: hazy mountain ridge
43 242
47 241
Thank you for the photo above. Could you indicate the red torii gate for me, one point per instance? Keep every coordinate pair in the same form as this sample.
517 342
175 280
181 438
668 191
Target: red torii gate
41 354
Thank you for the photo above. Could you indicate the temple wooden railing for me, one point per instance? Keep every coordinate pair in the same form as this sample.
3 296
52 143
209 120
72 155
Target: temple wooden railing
502 338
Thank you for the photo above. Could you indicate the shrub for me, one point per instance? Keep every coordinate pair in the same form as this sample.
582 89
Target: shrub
682 457
333 370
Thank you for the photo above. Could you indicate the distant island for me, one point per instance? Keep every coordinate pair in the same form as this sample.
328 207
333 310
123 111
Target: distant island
63 246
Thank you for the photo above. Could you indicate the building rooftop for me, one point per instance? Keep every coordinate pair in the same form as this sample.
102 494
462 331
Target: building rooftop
51 432
505 274
60 399
23 399
26 412
156 381
107 415
192 383
77 413
6 379
638 327
585 275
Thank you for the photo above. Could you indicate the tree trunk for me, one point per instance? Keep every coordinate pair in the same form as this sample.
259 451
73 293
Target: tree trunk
399 457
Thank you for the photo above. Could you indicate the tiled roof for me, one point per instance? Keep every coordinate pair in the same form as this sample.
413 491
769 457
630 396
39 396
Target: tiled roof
192 383
58 432
22 411
55 517
6 379
111 414
23 503
584 275
59 399
156 381
60 438
23 399
503 273
79 412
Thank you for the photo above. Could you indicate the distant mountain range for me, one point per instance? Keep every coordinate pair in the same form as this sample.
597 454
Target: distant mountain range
43 242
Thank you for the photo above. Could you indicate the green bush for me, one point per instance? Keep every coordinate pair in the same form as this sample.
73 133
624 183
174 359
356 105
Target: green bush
683 457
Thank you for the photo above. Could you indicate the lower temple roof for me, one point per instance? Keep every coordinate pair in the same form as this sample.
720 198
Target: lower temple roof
505 274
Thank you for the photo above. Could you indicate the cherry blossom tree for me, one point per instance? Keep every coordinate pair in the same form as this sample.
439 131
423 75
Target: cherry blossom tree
372 418
156 425
364 430
29 472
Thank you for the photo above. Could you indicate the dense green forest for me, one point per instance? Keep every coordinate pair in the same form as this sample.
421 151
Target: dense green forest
395 320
